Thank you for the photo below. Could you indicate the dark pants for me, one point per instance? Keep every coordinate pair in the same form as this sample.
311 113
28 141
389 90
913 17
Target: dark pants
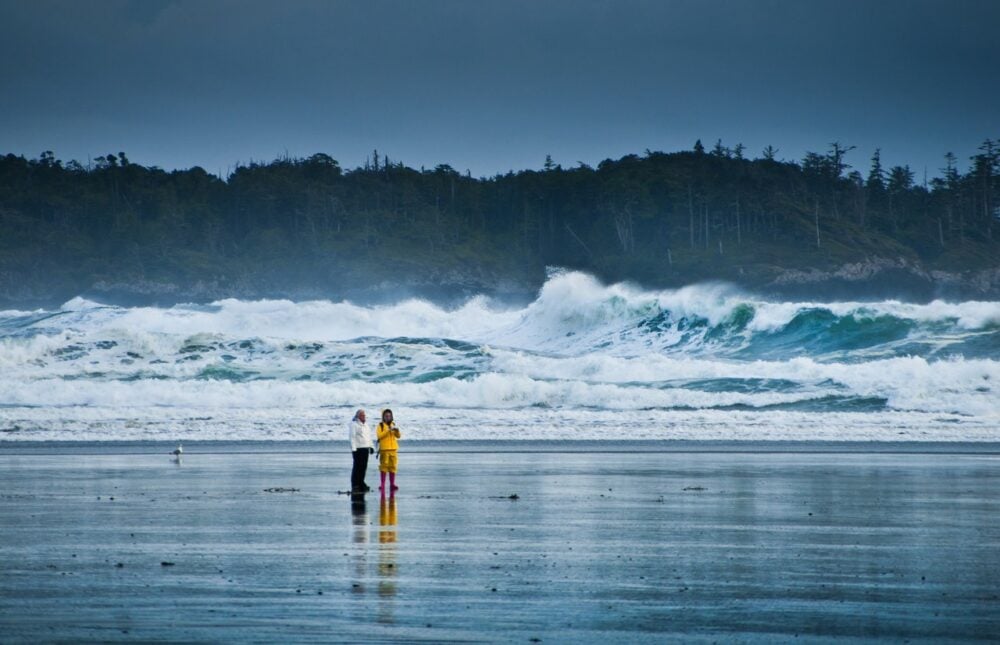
359 469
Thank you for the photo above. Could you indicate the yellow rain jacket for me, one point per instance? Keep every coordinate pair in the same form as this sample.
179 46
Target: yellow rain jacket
387 435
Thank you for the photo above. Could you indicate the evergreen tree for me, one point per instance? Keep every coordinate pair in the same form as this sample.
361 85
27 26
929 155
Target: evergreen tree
876 176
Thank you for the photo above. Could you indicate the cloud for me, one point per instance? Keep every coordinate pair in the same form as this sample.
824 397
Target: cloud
489 86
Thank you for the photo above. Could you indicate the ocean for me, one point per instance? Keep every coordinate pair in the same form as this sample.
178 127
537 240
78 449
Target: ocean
582 361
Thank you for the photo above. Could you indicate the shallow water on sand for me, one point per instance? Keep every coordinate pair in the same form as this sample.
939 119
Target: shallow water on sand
596 545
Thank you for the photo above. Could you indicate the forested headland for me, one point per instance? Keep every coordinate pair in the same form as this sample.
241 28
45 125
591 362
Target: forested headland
305 227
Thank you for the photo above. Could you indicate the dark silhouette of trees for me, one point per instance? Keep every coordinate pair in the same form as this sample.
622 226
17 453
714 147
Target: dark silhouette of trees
661 218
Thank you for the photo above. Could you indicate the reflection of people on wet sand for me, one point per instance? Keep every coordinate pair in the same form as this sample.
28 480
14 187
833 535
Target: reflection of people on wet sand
359 518
387 434
387 556
361 446
387 521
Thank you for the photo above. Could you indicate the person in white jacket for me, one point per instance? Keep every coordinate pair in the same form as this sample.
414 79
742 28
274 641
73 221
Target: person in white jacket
361 447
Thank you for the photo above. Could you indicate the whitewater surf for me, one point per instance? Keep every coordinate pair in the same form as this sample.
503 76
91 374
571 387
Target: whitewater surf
584 360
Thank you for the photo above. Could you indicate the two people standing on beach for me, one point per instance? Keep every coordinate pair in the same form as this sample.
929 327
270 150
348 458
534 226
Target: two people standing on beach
362 447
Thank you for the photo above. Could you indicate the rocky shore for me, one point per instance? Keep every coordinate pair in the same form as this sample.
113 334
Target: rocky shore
870 279
887 278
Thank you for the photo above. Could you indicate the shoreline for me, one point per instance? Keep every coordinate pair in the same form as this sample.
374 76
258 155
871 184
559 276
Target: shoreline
667 446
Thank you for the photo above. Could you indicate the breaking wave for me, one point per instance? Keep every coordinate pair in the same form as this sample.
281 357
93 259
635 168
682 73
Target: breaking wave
580 348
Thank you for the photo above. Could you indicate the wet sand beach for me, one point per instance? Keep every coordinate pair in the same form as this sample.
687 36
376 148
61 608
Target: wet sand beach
500 542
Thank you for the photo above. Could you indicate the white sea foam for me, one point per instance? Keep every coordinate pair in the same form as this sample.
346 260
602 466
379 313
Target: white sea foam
963 387
572 311
486 391
127 423
908 383
606 357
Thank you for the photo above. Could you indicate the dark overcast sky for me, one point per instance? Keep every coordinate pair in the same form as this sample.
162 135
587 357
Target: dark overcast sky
492 86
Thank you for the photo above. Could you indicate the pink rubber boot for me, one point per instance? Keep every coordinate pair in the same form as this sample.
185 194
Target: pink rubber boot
392 482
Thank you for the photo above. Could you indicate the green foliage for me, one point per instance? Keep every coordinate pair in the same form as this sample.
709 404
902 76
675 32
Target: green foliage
662 218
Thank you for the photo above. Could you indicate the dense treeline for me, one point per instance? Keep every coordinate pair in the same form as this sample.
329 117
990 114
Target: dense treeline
308 226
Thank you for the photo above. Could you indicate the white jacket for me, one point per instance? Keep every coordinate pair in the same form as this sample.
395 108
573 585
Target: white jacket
360 435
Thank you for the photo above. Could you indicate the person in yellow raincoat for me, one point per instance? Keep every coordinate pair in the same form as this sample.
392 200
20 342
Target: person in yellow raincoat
387 435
